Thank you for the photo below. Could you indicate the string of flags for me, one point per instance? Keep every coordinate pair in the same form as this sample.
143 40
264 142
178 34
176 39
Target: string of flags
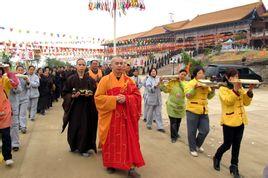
61 36
27 51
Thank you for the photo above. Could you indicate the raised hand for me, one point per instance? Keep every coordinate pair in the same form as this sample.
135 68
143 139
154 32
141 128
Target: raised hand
197 85
251 87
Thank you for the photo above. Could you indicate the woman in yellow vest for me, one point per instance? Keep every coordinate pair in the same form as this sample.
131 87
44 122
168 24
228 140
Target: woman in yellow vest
197 111
233 99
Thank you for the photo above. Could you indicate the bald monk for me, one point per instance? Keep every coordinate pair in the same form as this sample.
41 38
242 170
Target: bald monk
80 111
118 102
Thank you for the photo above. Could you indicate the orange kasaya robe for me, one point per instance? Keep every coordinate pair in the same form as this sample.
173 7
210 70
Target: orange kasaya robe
118 123
97 76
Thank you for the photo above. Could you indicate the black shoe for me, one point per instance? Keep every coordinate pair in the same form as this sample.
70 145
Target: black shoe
154 121
111 170
23 131
144 120
216 164
161 130
234 171
133 173
15 149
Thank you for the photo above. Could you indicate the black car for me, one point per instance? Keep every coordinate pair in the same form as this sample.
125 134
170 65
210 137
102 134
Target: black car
216 72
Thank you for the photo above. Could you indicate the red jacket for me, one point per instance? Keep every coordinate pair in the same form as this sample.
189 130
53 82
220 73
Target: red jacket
5 109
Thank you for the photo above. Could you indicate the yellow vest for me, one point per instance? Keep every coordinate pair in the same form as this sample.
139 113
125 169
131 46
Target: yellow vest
5 82
197 98
97 76
233 111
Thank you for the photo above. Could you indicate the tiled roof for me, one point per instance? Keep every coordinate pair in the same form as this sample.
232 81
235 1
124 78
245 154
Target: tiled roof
223 16
218 17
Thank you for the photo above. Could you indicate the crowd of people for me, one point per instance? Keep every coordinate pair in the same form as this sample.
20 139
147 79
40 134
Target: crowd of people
108 101
24 93
190 98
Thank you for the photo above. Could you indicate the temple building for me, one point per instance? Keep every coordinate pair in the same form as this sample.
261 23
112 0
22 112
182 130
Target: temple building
245 25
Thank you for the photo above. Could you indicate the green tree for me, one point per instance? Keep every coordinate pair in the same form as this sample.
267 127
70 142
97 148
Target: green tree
240 36
53 62
186 58
218 49
207 51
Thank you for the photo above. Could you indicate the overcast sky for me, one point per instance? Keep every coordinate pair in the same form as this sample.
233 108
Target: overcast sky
72 16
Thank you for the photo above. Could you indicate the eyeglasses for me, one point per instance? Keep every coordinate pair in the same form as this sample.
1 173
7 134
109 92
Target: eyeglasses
81 64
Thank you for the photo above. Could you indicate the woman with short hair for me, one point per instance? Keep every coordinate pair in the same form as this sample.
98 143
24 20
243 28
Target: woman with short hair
197 110
153 101
33 92
23 99
175 103
233 119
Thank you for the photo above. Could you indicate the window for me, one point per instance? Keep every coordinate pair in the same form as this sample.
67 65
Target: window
211 70
251 72
244 71
222 71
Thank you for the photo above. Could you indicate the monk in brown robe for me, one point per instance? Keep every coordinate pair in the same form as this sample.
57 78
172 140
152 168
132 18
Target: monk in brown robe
80 111
118 101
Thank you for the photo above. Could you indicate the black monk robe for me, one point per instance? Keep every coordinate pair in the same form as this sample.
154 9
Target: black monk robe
44 91
80 114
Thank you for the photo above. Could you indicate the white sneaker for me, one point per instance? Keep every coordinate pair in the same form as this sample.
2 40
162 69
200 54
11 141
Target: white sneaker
9 162
194 153
200 150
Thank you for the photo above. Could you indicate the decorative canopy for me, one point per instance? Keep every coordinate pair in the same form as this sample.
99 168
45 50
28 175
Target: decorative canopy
119 5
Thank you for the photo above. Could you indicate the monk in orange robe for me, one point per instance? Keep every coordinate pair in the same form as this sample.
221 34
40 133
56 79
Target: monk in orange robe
118 101
94 71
